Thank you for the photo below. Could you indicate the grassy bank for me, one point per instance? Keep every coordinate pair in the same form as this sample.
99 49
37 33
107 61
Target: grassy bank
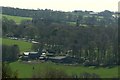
24 46
17 19
25 69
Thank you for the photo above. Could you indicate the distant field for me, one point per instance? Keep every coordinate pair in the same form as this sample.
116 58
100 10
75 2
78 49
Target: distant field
24 46
17 19
72 23
0 41
25 70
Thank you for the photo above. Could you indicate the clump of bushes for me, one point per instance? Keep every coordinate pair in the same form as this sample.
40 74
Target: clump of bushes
50 72
88 75
7 72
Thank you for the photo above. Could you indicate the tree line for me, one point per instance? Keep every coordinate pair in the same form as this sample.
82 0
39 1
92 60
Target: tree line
10 53
83 17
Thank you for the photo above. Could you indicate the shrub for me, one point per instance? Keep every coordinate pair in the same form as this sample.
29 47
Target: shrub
50 72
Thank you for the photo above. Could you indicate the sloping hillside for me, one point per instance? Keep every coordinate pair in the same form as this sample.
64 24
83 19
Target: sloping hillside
24 46
17 19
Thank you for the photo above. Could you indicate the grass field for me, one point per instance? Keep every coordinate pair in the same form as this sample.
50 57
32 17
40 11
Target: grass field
72 23
24 46
17 19
25 70
0 41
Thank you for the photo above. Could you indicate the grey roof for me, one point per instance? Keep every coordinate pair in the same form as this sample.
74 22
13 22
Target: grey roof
33 52
58 57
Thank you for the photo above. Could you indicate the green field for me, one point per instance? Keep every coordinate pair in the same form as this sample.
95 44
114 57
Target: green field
24 46
72 23
0 41
17 19
25 70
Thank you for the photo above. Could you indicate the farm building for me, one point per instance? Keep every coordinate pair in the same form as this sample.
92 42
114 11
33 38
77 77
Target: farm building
42 56
30 55
35 42
33 55
47 56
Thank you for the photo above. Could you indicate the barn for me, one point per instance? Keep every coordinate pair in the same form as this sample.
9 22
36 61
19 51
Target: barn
33 55
30 55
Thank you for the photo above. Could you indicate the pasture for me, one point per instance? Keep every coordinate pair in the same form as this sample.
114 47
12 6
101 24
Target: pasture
25 70
17 19
23 46
0 41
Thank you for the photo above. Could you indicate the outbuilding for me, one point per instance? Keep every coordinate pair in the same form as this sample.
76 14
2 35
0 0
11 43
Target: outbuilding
30 55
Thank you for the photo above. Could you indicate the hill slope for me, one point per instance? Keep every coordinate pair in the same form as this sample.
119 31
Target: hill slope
17 19
25 69
24 46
